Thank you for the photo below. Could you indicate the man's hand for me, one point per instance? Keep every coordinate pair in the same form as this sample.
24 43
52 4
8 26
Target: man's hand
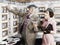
35 24
35 27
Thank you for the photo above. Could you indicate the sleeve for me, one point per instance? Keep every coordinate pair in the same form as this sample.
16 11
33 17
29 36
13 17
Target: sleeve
15 11
49 28
54 28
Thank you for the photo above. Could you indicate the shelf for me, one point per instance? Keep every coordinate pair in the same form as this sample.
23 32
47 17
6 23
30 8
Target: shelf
39 35
58 27
4 13
4 17
3 42
15 19
4 25
15 29
14 33
58 23
41 13
4 29
5 37
57 13
41 8
57 10
15 26
57 20
4 33
6 21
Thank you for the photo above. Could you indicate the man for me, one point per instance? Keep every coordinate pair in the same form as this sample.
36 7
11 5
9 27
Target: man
30 26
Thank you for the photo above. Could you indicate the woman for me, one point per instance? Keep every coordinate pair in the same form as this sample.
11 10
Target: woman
49 28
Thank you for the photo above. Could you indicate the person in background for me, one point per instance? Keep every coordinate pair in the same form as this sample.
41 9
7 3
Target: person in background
49 28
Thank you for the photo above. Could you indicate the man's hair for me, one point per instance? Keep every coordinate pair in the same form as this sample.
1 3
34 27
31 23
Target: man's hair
32 6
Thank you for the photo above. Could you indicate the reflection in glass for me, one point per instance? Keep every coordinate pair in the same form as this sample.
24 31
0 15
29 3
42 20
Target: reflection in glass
41 9
14 23
58 23
4 17
41 16
4 10
4 25
15 29
14 16
5 33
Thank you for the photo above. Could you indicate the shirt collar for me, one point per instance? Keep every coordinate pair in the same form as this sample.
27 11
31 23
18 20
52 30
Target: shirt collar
50 19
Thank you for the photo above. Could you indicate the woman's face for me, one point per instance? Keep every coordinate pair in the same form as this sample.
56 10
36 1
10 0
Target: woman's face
47 15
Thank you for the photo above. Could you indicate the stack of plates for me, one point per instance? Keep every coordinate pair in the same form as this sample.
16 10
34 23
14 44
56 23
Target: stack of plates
13 41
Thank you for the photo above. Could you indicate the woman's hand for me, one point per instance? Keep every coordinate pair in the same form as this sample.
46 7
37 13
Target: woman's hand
44 31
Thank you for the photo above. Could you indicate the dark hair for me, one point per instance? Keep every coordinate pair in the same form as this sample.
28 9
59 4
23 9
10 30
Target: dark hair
51 13
32 6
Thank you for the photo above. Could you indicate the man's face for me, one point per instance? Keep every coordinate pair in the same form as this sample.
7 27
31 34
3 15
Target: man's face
32 10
